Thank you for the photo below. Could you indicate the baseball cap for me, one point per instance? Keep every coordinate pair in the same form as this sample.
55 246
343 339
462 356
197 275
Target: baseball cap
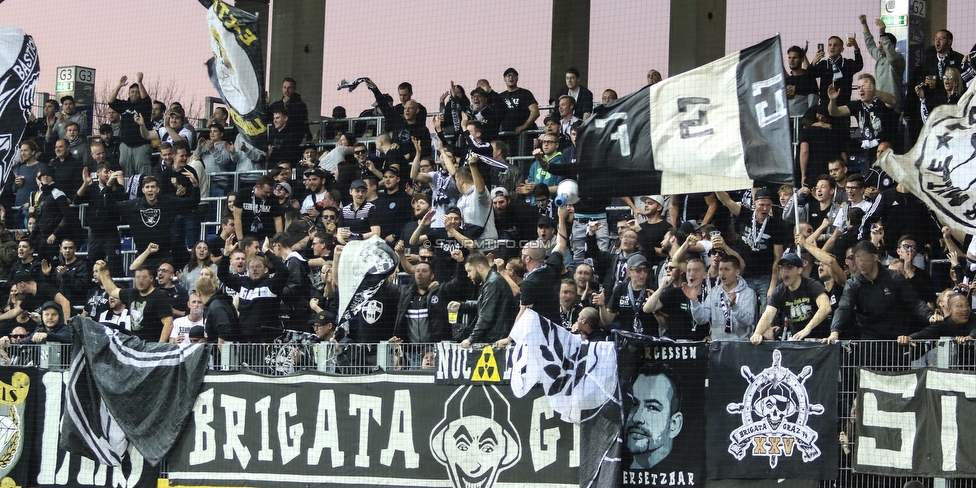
510 70
479 91
453 210
657 198
51 304
105 128
45 172
284 185
546 221
792 259
392 169
197 332
499 190
386 97
357 184
763 193
636 260
323 317
419 196
316 172
689 226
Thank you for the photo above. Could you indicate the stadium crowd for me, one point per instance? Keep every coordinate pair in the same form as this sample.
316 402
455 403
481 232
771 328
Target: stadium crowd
838 253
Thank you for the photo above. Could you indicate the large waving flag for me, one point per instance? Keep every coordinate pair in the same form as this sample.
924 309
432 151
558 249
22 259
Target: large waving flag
363 266
718 127
941 168
237 68
20 67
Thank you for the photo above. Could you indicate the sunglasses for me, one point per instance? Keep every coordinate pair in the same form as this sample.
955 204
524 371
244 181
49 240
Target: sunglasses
426 258
330 217
361 151
909 247
18 336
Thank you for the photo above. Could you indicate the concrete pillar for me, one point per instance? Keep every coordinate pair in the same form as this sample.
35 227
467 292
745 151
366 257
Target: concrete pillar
697 34
297 40
570 44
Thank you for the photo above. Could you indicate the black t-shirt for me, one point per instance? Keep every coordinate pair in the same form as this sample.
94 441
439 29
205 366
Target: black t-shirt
651 236
824 144
540 288
758 251
516 104
680 324
129 132
620 302
45 293
804 84
97 303
393 211
146 313
800 305
178 296
816 215
257 215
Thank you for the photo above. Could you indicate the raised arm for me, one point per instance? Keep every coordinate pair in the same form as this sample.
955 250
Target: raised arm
733 206
834 109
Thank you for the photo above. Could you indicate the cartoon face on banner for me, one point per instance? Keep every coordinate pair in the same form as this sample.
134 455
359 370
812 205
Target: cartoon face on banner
11 421
774 413
655 417
476 440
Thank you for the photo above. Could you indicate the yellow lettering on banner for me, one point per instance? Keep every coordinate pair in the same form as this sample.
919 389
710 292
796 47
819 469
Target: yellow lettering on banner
760 449
487 367
16 392
788 445
231 23
250 127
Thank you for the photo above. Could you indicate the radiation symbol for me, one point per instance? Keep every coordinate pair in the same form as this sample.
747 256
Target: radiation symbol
487 368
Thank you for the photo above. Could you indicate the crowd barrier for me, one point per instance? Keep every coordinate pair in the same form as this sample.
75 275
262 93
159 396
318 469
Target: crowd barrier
300 354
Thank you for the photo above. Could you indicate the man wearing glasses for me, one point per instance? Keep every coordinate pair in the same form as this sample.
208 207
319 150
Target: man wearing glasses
855 199
937 59
917 277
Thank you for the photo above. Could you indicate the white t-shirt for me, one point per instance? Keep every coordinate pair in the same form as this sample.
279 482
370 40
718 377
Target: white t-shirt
310 200
476 210
183 325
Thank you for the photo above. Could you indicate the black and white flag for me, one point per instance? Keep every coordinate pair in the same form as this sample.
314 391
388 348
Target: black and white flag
363 266
941 168
721 126
772 410
237 68
20 67
120 389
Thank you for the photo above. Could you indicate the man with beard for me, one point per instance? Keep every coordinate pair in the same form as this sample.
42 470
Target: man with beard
540 286
315 184
655 417
762 238
514 219
149 309
357 221
801 86
256 214
482 111
495 308
803 302
67 115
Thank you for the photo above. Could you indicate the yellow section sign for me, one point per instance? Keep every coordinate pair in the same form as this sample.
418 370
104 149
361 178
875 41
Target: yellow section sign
487 368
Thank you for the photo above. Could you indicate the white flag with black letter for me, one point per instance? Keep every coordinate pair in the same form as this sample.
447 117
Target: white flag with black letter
726 121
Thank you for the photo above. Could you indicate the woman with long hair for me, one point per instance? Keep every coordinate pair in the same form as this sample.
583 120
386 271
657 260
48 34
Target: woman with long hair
954 88
199 259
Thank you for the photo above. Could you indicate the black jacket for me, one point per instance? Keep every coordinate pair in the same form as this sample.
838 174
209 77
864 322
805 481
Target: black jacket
102 216
436 300
882 309
220 318
496 308
54 215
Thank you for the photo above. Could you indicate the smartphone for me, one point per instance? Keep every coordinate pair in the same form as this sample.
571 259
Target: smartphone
820 47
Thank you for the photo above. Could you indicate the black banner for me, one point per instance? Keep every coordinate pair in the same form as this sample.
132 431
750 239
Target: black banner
59 468
21 397
20 68
459 366
237 68
916 423
389 430
772 411
663 433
